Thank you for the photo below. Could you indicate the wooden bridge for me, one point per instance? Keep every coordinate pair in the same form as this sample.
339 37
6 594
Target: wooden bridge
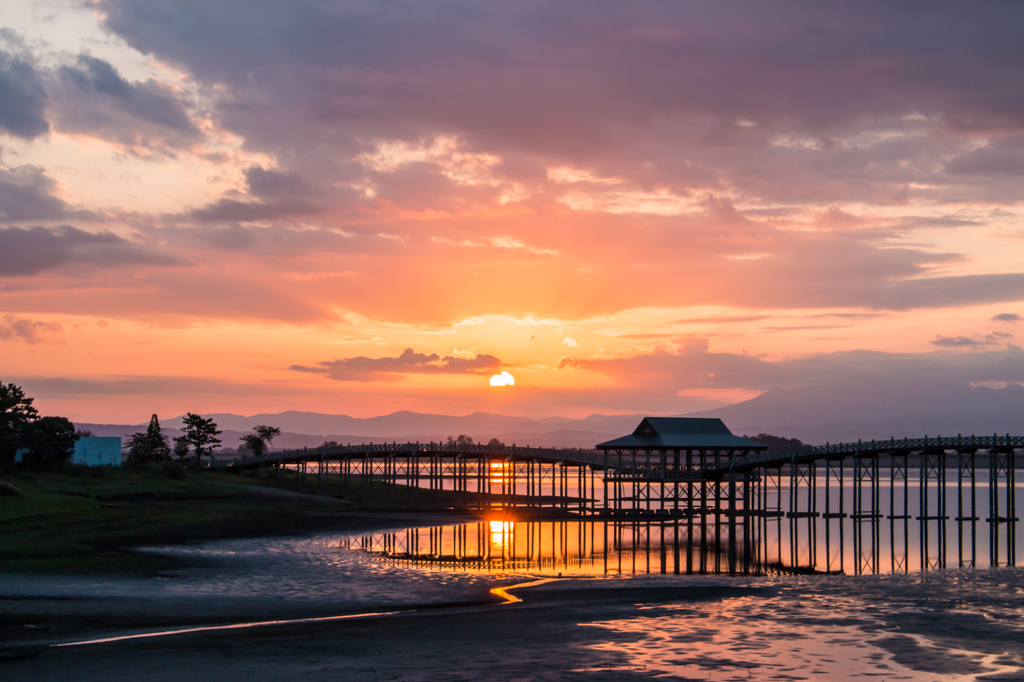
691 475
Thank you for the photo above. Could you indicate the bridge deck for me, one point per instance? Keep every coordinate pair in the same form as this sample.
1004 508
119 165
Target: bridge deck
625 466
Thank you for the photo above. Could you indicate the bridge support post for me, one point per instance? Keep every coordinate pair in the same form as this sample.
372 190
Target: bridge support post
933 468
833 471
704 513
1002 470
966 469
865 561
732 523
899 472
747 522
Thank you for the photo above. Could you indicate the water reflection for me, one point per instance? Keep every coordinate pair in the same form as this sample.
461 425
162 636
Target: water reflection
569 547
742 544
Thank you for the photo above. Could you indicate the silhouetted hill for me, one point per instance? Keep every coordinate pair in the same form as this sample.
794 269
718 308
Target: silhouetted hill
309 429
814 414
817 414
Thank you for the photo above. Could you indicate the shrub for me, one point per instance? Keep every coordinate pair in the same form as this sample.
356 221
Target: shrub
174 470
79 470
8 490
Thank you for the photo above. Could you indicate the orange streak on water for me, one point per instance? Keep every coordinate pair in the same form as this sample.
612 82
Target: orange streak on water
236 626
503 592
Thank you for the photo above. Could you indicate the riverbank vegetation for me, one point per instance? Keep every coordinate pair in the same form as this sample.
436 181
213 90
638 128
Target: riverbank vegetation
69 519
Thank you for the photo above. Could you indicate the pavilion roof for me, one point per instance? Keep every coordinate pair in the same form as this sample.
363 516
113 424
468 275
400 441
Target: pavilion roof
683 433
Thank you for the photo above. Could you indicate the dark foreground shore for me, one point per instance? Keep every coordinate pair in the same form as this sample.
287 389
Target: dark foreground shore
539 638
960 625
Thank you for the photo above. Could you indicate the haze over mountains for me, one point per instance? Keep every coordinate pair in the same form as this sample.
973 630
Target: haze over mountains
817 414
813 414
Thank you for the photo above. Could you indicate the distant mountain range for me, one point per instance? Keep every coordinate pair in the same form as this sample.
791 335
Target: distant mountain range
834 413
812 414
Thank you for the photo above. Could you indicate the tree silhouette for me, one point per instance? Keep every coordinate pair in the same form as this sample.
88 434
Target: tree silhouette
267 433
156 440
151 446
16 416
201 434
777 443
136 448
50 439
181 448
260 439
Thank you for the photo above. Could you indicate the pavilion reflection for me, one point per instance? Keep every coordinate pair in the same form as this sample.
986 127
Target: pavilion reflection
741 545
568 547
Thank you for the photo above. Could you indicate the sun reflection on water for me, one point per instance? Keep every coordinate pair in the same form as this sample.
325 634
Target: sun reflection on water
501 535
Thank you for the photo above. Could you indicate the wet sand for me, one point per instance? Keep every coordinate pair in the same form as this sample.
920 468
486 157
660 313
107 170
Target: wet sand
962 625
539 638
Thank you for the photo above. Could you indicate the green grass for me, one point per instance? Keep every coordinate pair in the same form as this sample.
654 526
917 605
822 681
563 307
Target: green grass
75 521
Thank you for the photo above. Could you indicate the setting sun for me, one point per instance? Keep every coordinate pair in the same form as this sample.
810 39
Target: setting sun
503 379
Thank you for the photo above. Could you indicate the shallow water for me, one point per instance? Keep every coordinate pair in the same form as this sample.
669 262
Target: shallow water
260 576
938 625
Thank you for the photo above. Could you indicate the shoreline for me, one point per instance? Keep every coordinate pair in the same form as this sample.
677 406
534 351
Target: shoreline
946 625
61 524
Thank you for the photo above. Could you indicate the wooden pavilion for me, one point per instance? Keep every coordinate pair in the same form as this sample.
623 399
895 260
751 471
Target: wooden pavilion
664 457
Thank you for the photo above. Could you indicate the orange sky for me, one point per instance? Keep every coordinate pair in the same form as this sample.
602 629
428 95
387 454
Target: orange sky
665 210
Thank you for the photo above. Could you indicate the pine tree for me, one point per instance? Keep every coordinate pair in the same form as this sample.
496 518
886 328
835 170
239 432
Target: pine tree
260 439
16 417
181 448
157 441
201 434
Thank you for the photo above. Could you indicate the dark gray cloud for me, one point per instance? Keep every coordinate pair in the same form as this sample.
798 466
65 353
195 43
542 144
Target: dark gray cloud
779 103
276 241
22 98
362 368
957 341
232 238
942 292
1002 156
62 387
562 74
93 98
232 210
29 251
1007 317
664 372
26 193
269 183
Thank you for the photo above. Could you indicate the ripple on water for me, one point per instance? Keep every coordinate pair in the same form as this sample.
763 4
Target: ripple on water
271 575
939 626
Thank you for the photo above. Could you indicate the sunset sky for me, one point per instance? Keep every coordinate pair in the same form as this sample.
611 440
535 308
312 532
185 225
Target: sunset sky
364 207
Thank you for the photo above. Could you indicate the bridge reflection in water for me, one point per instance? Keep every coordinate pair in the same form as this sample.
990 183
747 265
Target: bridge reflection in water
850 507
745 545
567 547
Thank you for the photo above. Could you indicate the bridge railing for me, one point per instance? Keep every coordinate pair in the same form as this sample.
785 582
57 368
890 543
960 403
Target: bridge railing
289 456
874 447
641 468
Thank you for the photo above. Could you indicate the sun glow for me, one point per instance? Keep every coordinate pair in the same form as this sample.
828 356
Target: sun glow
501 533
503 379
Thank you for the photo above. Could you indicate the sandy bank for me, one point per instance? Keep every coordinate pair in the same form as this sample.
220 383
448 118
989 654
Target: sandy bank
955 625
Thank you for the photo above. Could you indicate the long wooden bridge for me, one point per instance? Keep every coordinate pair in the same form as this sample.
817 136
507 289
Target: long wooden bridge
691 477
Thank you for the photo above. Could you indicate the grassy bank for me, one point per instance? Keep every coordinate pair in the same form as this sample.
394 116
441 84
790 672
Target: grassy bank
81 520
